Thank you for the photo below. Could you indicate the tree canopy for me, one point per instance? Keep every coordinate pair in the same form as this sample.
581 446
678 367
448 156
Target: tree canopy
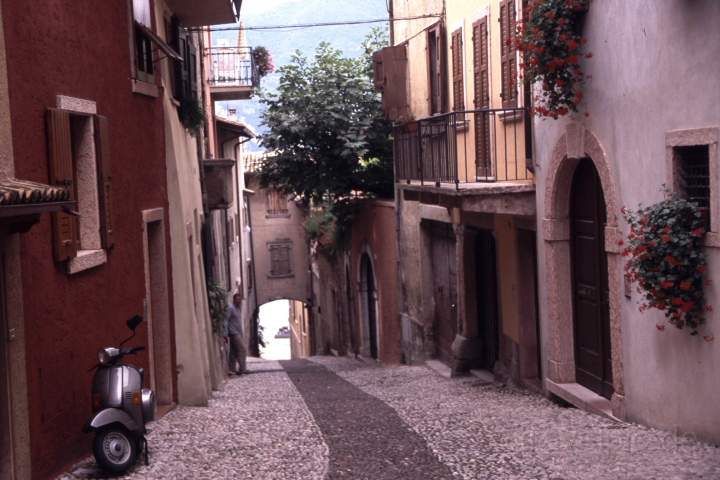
326 128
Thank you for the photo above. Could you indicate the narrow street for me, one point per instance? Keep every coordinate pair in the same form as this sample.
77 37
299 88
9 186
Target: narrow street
331 417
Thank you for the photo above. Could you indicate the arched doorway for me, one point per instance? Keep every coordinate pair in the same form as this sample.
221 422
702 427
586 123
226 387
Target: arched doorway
368 305
591 308
579 152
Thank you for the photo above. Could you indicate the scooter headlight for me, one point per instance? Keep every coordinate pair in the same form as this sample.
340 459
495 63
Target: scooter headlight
107 355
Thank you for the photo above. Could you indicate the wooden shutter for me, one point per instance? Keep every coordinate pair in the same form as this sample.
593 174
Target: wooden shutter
64 226
378 71
102 155
395 95
458 71
481 77
179 40
191 60
437 72
508 53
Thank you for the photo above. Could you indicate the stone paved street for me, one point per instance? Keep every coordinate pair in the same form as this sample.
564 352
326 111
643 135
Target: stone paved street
341 418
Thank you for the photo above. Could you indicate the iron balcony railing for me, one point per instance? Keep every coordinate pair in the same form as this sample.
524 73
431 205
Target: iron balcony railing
484 145
232 67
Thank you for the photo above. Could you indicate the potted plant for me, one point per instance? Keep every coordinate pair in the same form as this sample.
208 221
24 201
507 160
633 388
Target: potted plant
667 261
552 48
263 61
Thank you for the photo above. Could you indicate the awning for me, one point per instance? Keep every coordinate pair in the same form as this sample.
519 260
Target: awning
22 202
167 49
195 13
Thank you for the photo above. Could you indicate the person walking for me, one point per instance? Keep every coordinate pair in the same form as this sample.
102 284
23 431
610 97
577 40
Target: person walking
234 336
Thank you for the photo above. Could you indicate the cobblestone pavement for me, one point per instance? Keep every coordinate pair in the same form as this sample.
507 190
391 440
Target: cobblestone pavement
298 420
367 438
494 432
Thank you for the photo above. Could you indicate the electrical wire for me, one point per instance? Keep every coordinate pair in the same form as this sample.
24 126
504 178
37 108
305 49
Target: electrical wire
321 24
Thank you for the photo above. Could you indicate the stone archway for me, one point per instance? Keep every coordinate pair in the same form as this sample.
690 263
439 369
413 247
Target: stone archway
577 143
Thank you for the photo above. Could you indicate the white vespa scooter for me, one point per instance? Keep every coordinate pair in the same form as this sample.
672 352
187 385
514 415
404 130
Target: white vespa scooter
121 407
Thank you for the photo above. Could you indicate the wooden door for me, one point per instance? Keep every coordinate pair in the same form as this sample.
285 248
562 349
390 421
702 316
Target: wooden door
487 304
591 313
371 307
6 470
444 288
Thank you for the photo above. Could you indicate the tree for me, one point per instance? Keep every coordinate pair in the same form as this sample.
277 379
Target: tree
327 130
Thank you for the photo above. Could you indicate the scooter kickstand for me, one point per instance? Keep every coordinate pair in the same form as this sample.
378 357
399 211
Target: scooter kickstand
145 447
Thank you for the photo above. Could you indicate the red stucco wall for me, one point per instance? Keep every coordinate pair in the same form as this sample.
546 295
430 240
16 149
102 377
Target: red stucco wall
374 230
80 49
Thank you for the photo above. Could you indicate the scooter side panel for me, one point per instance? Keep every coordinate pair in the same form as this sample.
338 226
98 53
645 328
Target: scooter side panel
112 415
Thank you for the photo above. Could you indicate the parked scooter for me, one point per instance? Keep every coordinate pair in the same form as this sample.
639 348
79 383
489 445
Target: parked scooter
121 407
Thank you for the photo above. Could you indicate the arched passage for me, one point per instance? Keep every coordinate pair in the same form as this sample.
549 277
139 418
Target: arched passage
577 150
368 307
284 329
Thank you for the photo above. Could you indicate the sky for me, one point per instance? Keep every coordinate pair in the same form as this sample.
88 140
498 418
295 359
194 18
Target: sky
282 44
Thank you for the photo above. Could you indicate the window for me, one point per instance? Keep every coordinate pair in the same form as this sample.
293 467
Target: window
276 204
142 17
693 166
79 158
508 53
436 68
280 258
458 70
185 71
694 176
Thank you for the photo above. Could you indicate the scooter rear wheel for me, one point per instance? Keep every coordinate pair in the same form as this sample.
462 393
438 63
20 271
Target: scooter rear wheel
115 449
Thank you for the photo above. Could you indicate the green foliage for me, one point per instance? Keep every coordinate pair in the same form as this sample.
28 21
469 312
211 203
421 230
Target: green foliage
217 301
326 128
192 115
667 261
552 48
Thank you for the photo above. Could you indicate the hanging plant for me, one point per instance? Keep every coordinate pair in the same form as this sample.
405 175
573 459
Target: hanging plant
263 61
192 114
552 47
217 302
667 261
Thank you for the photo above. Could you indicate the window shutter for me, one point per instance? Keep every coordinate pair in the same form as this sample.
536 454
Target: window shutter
102 154
179 39
482 97
437 66
191 60
458 71
395 96
378 72
64 226
508 53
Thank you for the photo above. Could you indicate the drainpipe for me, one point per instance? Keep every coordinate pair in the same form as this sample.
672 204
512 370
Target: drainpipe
391 14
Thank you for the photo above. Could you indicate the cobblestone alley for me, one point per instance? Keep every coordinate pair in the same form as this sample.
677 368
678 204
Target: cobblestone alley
339 418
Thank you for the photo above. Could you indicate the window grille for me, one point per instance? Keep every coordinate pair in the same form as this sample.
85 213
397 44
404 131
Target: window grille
694 170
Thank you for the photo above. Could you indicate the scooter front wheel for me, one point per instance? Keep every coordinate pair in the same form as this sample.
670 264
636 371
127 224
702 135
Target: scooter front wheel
115 449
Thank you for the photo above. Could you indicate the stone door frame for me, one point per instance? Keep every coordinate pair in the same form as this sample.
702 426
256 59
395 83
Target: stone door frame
577 143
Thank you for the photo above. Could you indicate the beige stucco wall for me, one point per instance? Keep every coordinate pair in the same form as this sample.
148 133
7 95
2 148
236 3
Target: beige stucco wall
266 229
195 346
654 69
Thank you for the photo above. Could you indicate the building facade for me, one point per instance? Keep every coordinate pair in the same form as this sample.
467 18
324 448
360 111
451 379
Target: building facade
621 155
465 187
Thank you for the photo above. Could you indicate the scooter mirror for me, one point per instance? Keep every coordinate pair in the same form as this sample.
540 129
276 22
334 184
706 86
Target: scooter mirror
134 322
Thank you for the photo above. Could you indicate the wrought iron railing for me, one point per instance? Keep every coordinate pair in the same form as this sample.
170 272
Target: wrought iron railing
232 67
485 145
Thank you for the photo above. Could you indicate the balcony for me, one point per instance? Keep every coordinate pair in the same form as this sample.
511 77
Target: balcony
481 149
232 73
